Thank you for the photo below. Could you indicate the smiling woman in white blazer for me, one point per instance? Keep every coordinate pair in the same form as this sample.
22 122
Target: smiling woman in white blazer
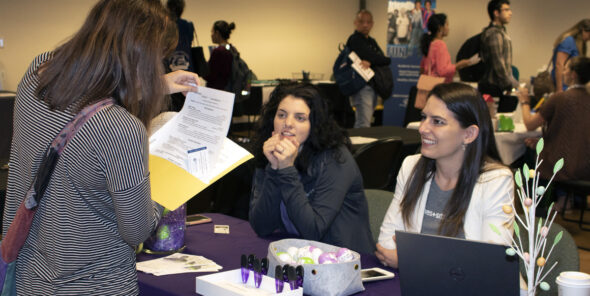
456 186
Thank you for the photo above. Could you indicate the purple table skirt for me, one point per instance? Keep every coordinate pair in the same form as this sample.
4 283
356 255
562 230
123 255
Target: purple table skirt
225 250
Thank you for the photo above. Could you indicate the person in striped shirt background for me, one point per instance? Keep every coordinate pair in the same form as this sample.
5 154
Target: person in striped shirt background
97 206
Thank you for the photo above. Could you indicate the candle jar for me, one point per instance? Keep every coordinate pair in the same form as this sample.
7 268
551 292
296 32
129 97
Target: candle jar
169 235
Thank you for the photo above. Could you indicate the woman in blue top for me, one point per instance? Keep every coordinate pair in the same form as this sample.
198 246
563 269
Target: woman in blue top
569 44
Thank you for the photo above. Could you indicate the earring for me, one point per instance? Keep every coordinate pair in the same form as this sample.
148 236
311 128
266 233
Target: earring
463 146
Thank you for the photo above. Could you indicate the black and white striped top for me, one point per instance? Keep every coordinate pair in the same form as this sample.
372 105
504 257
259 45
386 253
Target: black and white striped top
96 207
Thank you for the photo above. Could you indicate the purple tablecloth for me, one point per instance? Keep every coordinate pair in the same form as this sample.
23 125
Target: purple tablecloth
225 250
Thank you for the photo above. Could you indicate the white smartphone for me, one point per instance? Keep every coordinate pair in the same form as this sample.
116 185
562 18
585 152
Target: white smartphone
375 274
197 219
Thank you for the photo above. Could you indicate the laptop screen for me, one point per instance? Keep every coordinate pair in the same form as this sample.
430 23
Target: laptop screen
438 265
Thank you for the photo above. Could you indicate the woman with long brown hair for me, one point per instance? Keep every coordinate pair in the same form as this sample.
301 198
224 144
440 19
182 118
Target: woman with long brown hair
569 44
97 204
456 186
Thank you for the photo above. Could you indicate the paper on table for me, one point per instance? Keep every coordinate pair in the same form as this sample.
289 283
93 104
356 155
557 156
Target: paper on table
178 263
202 122
361 140
366 73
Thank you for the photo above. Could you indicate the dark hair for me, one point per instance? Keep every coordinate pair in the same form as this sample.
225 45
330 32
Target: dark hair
468 108
435 23
581 65
496 5
176 7
117 53
324 133
224 28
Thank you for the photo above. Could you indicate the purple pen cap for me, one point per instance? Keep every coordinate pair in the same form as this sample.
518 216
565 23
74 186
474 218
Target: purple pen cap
299 272
279 279
244 268
251 258
257 273
264 266
292 277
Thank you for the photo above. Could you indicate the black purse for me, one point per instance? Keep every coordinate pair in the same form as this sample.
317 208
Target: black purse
198 58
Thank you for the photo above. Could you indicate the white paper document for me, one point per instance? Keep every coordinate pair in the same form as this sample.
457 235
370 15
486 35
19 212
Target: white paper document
366 73
203 122
178 263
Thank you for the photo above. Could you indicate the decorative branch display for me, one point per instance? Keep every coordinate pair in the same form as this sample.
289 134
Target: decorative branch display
539 251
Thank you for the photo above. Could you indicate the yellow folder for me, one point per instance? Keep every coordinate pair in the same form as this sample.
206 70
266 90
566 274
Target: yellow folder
172 186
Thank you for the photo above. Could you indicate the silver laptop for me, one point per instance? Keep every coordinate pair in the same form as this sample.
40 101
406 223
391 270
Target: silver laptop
437 265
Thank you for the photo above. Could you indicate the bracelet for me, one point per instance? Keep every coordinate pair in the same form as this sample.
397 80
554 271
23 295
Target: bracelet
525 103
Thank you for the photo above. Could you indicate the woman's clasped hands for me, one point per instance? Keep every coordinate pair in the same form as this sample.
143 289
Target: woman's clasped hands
280 151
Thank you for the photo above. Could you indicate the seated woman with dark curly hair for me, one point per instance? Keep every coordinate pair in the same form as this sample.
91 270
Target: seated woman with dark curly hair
306 182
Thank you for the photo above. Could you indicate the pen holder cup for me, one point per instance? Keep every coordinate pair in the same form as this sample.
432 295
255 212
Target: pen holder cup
343 278
168 237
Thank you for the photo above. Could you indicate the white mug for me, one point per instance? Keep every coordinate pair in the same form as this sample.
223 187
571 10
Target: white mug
573 283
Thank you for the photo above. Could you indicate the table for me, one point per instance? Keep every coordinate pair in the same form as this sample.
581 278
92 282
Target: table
226 249
511 145
409 136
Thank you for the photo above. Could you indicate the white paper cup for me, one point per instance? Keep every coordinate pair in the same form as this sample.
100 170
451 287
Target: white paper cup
573 283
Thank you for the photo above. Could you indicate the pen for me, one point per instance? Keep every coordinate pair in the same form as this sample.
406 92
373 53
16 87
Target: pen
279 279
257 273
244 268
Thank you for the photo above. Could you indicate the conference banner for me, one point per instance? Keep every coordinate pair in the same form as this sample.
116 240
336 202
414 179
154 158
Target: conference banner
407 21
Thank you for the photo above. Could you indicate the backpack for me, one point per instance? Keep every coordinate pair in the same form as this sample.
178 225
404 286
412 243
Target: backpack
240 78
349 82
473 73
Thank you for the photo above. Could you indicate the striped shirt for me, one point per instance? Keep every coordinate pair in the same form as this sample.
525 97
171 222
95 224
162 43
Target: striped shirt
97 205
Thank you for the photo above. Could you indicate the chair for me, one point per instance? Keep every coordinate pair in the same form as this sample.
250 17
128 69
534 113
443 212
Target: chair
576 187
378 201
565 253
379 162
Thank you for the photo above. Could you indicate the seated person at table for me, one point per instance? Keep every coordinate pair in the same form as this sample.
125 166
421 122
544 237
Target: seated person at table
457 186
306 182
562 114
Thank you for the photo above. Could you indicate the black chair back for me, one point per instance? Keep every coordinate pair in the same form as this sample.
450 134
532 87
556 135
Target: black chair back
412 114
379 162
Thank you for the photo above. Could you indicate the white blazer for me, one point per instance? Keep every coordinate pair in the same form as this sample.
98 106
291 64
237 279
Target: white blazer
493 190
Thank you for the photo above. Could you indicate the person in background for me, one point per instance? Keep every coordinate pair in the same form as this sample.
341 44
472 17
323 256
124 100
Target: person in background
181 58
562 114
220 62
371 55
416 26
403 27
436 60
97 205
496 50
569 44
306 182
457 186
427 12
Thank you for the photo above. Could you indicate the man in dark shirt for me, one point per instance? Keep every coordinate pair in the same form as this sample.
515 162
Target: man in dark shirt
496 49
371 55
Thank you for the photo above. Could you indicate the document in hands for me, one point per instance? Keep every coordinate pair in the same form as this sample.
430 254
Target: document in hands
191 150
366 73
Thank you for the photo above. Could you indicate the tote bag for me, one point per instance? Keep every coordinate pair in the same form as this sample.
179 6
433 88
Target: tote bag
426 82
199 63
